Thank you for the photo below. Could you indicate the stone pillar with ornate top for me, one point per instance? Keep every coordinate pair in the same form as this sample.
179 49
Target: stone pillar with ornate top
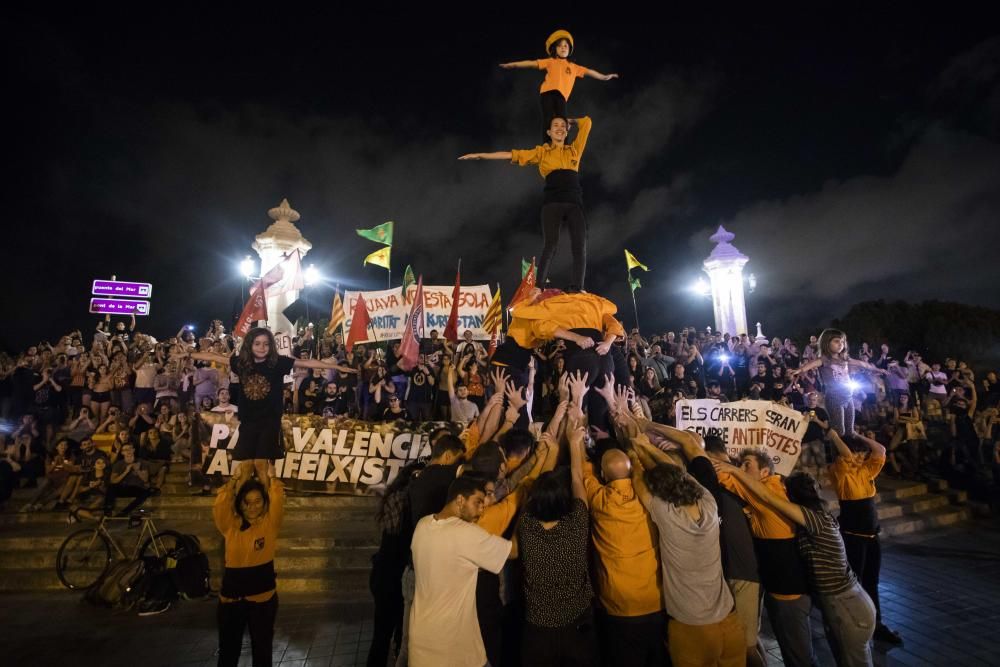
725 272
281 238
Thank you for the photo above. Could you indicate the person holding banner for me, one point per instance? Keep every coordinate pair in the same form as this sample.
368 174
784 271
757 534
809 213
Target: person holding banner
262 374
848 612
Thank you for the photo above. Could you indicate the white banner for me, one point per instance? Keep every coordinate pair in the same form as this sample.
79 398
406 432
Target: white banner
763 425
388 310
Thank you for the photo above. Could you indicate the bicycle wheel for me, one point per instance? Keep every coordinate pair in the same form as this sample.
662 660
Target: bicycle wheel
82 559
161 544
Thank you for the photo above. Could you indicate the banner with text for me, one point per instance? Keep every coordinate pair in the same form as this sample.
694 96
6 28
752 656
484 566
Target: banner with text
388 310
325 455
763 425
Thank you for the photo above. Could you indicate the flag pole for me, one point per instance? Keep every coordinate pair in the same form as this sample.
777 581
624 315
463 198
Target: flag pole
635 308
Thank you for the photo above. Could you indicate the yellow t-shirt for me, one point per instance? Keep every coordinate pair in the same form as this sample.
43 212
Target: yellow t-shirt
627 572
257 544
854 479
533 324
549 158
765 523
560 74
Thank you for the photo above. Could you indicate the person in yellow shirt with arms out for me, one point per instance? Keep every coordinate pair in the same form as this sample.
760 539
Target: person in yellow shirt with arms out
559 164
560 75
249 516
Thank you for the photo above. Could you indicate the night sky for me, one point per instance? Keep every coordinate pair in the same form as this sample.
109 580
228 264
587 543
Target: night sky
853 161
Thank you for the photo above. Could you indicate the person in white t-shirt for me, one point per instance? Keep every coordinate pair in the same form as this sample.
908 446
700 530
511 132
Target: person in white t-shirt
448 551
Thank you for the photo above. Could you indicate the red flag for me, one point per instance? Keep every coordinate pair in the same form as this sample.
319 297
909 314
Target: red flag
255 310
409 348
527 284
451 329
359 323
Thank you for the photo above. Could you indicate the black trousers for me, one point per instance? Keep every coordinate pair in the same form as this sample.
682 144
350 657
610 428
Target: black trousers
864 554
234 618
633 641
553 105
554 216
596 367
572 645
386 585
116 491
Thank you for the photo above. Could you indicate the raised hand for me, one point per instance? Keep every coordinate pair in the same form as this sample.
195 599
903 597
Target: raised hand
578 386
607 391
564 388
515 397
499 378
584 342
603 347
471 156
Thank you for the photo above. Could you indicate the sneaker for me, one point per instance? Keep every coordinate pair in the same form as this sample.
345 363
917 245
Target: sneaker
884 634
153 607
71 518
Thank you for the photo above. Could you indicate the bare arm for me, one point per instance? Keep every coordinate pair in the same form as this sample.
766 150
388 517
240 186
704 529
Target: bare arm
808 366
639 481
520 64
842 449
594 74
323 365
878 451
498 155
211 357
576 433
788 509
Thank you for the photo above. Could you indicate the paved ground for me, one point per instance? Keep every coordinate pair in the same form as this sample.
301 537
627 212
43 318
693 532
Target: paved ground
939 590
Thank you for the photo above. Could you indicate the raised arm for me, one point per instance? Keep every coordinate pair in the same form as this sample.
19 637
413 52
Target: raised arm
594 74
576 434
842 449
788 509
808 366
639 480
211 357
498 155
877 449
520 64
323 364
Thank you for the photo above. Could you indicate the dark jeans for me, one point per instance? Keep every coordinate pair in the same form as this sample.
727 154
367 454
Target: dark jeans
864 554
553 105
385 583
790 622
116 491
633 641
554 216
234 618
572 645
596 367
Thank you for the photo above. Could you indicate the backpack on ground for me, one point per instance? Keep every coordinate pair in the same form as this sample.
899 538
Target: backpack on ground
189 569
122 585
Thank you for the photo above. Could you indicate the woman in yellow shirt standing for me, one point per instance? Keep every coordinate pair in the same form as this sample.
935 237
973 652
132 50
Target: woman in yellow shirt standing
249 516
560 75
559 164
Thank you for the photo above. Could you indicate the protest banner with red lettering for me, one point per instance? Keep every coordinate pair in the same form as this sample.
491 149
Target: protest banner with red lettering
763 425
324 454
388 310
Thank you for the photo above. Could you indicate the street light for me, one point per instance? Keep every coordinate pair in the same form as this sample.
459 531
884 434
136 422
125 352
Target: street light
247 267
313 275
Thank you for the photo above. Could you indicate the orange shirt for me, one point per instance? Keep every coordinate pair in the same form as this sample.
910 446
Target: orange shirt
257 544
765 523
533 324
627 572
560 74
853 478
549 158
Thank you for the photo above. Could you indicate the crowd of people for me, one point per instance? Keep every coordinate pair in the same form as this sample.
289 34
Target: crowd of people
613 525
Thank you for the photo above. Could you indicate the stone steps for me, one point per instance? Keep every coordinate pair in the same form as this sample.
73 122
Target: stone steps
327 541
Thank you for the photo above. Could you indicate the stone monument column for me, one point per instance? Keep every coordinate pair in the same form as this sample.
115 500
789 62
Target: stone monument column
725 271
280 238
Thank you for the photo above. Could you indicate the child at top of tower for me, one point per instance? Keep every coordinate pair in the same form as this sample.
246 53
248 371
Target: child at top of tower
560 75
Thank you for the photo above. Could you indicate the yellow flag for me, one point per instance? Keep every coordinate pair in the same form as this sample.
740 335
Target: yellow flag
632 262
379 258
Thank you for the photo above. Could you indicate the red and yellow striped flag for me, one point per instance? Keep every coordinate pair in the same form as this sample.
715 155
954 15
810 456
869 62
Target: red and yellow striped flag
337 317
492 321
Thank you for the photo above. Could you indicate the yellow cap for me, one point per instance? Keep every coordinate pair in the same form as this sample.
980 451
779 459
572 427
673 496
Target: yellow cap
556 36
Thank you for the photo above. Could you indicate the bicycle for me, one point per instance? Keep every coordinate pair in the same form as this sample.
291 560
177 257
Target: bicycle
85 556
